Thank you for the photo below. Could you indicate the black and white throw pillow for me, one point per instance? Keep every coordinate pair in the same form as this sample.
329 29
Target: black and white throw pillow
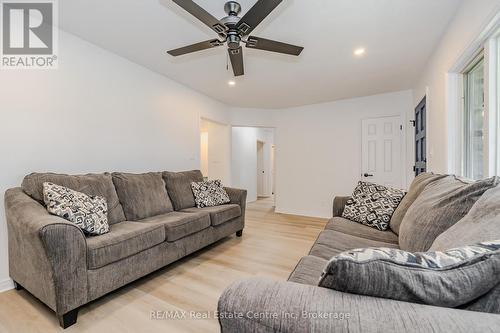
451 278
89 213
209 193
373 205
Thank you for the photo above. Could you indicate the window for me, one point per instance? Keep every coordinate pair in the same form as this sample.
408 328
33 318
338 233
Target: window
474 120
474 108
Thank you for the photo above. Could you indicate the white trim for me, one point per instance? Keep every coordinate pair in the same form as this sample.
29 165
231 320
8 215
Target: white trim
491 106
454 105
6 284
477 44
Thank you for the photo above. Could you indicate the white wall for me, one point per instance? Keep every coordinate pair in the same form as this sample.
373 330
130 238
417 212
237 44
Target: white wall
470 20
97 112
318 148
244 159
218 151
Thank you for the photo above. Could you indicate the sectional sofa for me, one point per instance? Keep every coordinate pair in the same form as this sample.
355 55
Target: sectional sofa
153 222
300 305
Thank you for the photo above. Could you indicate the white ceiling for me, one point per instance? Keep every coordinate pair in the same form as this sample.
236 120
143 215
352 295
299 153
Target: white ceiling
399 36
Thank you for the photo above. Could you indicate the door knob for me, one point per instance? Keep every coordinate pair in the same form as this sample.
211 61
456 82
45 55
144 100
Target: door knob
366 175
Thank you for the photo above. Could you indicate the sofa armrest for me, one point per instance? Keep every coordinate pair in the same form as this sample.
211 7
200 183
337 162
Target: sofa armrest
338 205
263 305
238 197
47 254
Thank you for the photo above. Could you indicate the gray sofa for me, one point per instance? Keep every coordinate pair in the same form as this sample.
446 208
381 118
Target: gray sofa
153 222
299 305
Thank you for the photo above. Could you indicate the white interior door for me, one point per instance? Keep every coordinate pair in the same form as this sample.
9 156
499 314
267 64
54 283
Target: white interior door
381 151
260 169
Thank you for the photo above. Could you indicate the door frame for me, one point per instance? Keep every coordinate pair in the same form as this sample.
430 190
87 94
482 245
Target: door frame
259 174
403 146
424 100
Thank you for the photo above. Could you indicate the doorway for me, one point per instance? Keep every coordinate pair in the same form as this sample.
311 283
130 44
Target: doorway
215 150
382 151
420 138
252 161
261 170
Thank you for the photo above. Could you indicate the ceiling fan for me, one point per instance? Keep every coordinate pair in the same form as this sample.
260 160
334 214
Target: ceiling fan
234 30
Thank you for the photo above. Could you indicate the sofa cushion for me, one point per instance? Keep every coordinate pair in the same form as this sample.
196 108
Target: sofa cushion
372 204
142 195
416 187
452 278
356 229
218 214
179 225
123 239
91 184
440 205
308 270
209 193
89 213
482 223
330 243
486 303
179 187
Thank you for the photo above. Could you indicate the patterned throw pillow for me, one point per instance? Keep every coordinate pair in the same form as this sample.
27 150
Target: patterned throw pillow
209 193
89 213
451 278
373 205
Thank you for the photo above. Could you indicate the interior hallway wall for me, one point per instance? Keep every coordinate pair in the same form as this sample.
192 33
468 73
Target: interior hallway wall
244 159
318 148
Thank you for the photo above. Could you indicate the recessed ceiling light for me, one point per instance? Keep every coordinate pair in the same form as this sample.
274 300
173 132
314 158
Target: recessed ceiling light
232 83
359 52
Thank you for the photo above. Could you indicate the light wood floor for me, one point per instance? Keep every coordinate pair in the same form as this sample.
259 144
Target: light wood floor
271 246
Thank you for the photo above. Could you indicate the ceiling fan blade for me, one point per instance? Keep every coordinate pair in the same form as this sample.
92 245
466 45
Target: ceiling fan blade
195 47
255 15
202 15
236 56
273 46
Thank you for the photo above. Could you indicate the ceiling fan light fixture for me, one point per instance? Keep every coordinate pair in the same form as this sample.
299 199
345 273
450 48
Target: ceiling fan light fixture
234 31
231 83
359 52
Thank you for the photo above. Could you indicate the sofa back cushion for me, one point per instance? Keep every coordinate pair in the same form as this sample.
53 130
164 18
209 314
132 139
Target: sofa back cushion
452 278
440 205
481 224
179 187
416 187
142 195
90 184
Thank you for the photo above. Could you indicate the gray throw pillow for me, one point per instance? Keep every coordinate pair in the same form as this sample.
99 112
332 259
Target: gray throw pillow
209 193
450 279
89 213
442 204
372 205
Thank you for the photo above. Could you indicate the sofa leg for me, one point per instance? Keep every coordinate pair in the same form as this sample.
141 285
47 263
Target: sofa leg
68 319
239 233
18 286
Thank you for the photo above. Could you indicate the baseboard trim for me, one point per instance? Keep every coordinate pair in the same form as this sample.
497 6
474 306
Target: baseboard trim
6 284
298 212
